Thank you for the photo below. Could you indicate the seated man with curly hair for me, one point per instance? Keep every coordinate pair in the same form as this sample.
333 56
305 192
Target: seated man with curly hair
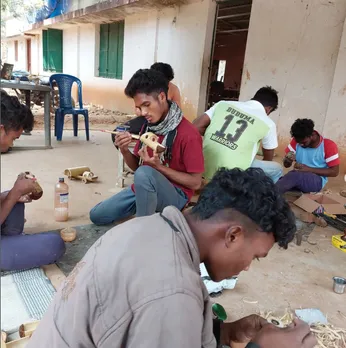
139 284
18 250
316 158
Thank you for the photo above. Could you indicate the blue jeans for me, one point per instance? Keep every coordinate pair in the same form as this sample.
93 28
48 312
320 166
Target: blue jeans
153 190
270 168
23 251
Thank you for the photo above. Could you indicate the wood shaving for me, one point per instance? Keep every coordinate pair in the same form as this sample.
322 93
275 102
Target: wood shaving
328 336
249 300
342 314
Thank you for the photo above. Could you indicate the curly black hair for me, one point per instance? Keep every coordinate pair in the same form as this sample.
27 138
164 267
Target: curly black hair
302 128
146 81
165 69
15 115
267 96
252 194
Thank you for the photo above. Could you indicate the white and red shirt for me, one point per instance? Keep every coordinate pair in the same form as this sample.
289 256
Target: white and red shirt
325 155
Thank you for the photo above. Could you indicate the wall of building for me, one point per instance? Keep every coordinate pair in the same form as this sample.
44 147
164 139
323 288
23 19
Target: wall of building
299 60
21 62
176 36
139 43
335 122
181 36
184 41
70 46
36 54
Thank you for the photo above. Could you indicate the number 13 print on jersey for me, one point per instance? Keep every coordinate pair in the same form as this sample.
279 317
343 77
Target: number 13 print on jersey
237 128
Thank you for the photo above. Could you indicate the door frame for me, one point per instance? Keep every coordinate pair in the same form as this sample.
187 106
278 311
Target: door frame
28 55
218 2
212 54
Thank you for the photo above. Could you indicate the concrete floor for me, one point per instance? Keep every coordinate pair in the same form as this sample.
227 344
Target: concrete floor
300 277
98 154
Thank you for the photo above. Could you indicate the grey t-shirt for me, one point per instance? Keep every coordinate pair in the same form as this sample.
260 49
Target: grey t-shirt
137 286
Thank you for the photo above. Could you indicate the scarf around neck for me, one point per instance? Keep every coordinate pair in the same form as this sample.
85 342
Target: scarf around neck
167 128
171 121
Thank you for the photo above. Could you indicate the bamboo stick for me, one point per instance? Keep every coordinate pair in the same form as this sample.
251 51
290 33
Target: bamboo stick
134 136
149 139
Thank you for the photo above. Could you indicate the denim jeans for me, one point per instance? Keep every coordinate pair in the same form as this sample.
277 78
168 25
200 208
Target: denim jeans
270 168
23 251
153 190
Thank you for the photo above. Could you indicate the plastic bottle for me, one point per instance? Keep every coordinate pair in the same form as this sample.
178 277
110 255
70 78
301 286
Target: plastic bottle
61 201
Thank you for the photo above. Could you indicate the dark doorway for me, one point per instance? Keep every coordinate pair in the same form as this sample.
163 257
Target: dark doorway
228 51
28 55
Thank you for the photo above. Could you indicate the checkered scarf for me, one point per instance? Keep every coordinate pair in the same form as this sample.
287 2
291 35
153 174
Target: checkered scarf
167 127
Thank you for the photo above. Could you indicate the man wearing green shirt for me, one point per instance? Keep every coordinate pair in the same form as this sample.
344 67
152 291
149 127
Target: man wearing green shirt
233 132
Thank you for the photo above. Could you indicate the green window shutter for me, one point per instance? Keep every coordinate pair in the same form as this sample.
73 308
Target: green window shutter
120 52
103 56
55 53
45 50
111 50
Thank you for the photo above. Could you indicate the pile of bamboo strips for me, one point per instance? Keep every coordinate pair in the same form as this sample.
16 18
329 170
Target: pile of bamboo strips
328 336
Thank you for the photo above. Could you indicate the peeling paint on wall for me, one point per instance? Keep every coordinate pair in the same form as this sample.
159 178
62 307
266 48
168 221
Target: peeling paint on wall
342 91
189 110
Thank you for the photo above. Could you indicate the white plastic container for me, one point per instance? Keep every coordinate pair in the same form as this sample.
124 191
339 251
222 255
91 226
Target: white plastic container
61 198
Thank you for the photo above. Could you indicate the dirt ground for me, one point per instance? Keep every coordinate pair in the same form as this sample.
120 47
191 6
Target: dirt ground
99 118
300 277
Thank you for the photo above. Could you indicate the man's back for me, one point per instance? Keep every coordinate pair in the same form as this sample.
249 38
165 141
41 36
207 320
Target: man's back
138 286
236 129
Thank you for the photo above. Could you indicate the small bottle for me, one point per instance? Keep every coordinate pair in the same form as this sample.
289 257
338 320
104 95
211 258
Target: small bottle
61 201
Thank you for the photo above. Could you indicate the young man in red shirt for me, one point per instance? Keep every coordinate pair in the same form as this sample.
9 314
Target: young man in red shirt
163 179
315 157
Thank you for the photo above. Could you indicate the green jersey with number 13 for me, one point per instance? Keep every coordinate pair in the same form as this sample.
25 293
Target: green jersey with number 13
234 135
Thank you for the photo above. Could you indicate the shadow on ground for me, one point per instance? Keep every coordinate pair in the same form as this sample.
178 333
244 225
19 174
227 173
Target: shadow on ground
87 235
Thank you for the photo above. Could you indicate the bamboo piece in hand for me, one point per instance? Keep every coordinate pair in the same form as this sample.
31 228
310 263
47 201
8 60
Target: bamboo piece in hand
38 192
26 330
20 343
150 139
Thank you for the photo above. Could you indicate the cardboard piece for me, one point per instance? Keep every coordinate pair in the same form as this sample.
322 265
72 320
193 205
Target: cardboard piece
332 203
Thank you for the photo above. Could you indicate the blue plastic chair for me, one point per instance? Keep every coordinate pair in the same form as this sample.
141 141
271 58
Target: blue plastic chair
65 83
